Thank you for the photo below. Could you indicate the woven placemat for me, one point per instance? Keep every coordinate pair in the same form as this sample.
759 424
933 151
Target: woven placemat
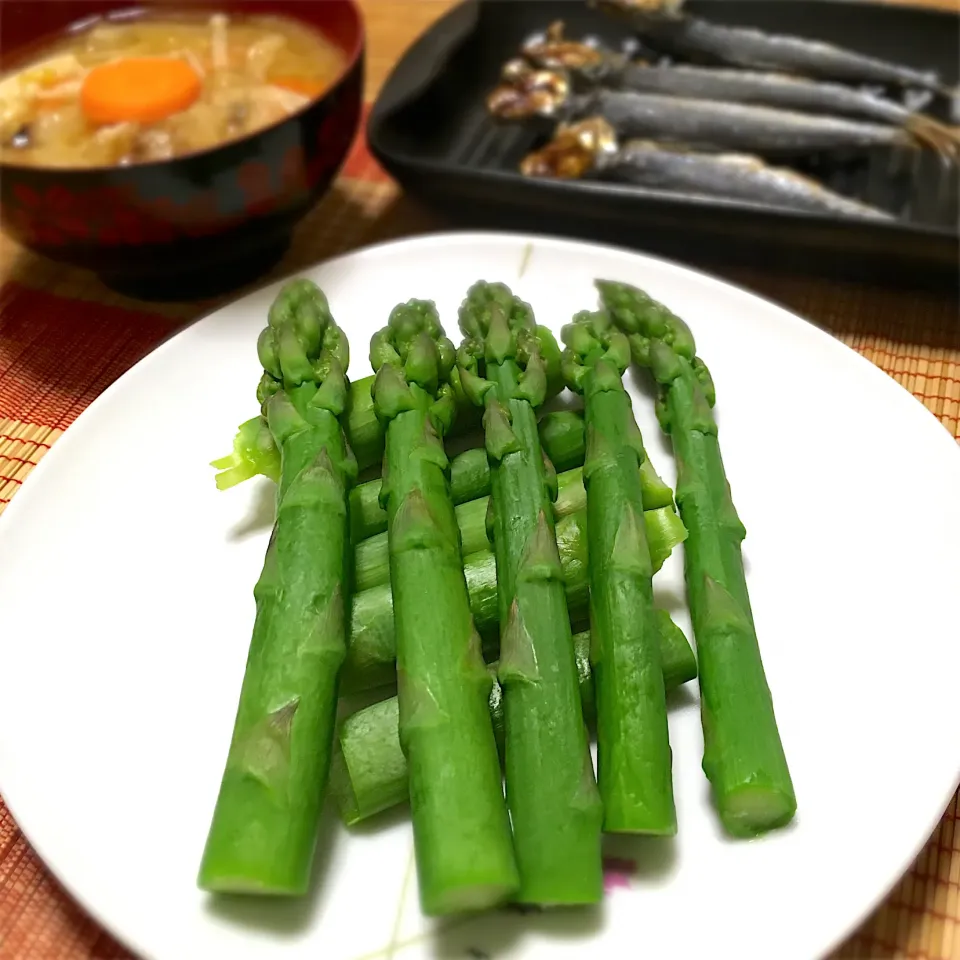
63 339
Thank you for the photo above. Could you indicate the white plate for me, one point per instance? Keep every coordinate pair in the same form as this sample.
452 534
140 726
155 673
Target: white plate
126 596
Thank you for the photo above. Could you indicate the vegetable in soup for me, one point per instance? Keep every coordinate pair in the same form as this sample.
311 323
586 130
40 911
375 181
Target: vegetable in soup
136 91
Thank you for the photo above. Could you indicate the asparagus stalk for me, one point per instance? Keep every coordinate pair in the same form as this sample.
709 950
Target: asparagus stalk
369 771
633 745
561 436
562 439
553 799
372 650
743 757
461 830
371 556
469 479
264 826
254 452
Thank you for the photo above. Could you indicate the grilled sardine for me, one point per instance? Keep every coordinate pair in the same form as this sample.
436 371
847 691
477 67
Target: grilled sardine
666 27
590 149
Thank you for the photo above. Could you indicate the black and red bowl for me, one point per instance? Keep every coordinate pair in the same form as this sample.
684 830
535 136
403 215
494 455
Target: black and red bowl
199 223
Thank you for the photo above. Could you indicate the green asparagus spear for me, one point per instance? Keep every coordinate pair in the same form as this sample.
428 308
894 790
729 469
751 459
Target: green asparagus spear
633 745
743 757
553 799
371 559
461 830
469 479
372 650
369 772
561 436
371 555
561 433
254 452
264 826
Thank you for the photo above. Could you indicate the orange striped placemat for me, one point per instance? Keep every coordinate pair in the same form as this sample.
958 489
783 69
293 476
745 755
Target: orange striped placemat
63 339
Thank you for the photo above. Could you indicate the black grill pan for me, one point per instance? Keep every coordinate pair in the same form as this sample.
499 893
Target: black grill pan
430 130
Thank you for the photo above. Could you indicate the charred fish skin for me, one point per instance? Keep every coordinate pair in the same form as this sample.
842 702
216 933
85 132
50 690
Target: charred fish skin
589 150
733 176
587 66
674 32
593 66
792 93
762 89
753 48
711 123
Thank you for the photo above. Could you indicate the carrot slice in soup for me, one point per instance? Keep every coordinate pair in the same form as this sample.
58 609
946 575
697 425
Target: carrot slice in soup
139 89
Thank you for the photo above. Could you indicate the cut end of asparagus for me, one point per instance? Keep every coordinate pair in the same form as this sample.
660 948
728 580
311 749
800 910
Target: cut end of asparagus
341 788
560 895
642 825
254 453
641 809
247 886
753 810
469 898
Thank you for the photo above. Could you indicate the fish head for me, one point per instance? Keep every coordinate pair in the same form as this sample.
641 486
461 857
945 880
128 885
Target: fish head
631 9
527 92
553 51
573 152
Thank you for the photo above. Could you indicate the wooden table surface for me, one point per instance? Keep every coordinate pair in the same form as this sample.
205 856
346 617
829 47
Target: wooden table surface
912 335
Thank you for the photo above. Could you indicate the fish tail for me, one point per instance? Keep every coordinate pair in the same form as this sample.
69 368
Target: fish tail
936 135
